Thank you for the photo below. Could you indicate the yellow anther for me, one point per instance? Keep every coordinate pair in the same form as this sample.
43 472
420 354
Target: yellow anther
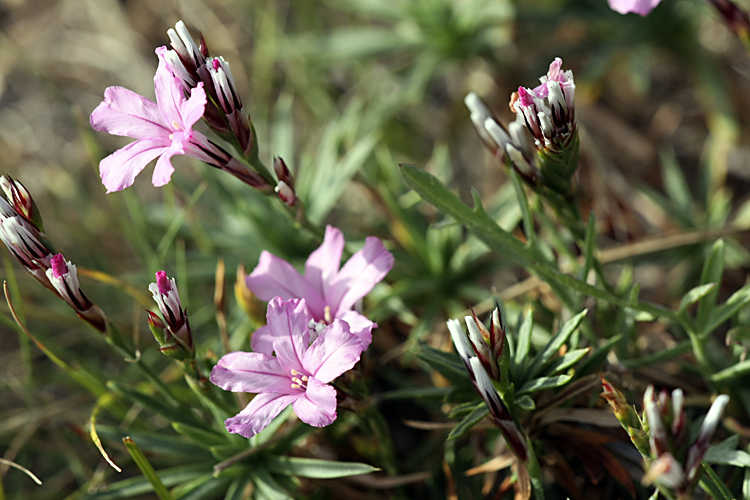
327 315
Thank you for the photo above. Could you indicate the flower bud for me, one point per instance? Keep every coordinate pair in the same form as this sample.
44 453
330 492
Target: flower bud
167 298
63 276
230 102
282 171
20 198
548 113
286 193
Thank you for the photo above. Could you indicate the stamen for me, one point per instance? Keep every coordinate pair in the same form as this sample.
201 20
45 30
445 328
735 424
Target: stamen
294 372
327 315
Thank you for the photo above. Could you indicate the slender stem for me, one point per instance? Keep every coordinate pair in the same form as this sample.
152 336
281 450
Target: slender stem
535 472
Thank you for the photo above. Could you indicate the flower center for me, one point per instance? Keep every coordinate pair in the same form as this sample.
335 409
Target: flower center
299 382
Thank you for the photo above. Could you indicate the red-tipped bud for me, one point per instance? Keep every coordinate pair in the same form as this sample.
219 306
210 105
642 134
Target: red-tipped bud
282 171
175 317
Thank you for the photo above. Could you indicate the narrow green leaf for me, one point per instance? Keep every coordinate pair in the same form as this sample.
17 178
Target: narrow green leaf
712 272
525 403
659 357
542 383
158 406
720 314
447 364
206 486
469 421
741 368
435 192
589 247
597 358
417 393
675 184
695 294
545 355
236 490
146 469
161 444
735 458
315 468
266 486
523 204
566 361
524 342
464 409
714 486
139 485
200 436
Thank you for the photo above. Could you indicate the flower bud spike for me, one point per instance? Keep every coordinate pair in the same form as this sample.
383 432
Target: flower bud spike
175 317
286 193
679 419
282 171
658 440
20 198
63 276
698 449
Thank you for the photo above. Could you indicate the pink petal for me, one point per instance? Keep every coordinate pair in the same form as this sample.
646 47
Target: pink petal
323 264
123 112
164 169
275 277
359 275
262 340
169 95
258 414
641 7
119 169
335 351
318 405
192 109
287 321
251 372
360 326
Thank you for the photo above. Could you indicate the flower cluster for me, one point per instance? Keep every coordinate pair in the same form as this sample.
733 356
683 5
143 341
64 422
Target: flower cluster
189 85
21 231
312 334
547 113
480 356
661 435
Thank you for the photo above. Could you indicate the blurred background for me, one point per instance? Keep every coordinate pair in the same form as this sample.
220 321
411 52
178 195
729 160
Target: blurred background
344 91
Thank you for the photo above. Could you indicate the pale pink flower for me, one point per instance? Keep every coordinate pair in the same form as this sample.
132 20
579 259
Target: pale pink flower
330 292
642 7
162 129
299 373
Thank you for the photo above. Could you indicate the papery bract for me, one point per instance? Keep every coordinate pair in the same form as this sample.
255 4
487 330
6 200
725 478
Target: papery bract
329 292
298 374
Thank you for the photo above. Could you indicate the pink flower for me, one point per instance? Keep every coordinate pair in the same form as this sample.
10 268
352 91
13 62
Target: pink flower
642 7
162 129
329 292
298 375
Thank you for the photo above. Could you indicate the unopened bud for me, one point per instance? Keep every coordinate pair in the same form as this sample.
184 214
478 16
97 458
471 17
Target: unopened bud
175 317
282 171
63 276
286 193
20 198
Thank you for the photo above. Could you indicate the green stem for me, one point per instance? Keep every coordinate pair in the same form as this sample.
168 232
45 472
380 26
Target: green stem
534 471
